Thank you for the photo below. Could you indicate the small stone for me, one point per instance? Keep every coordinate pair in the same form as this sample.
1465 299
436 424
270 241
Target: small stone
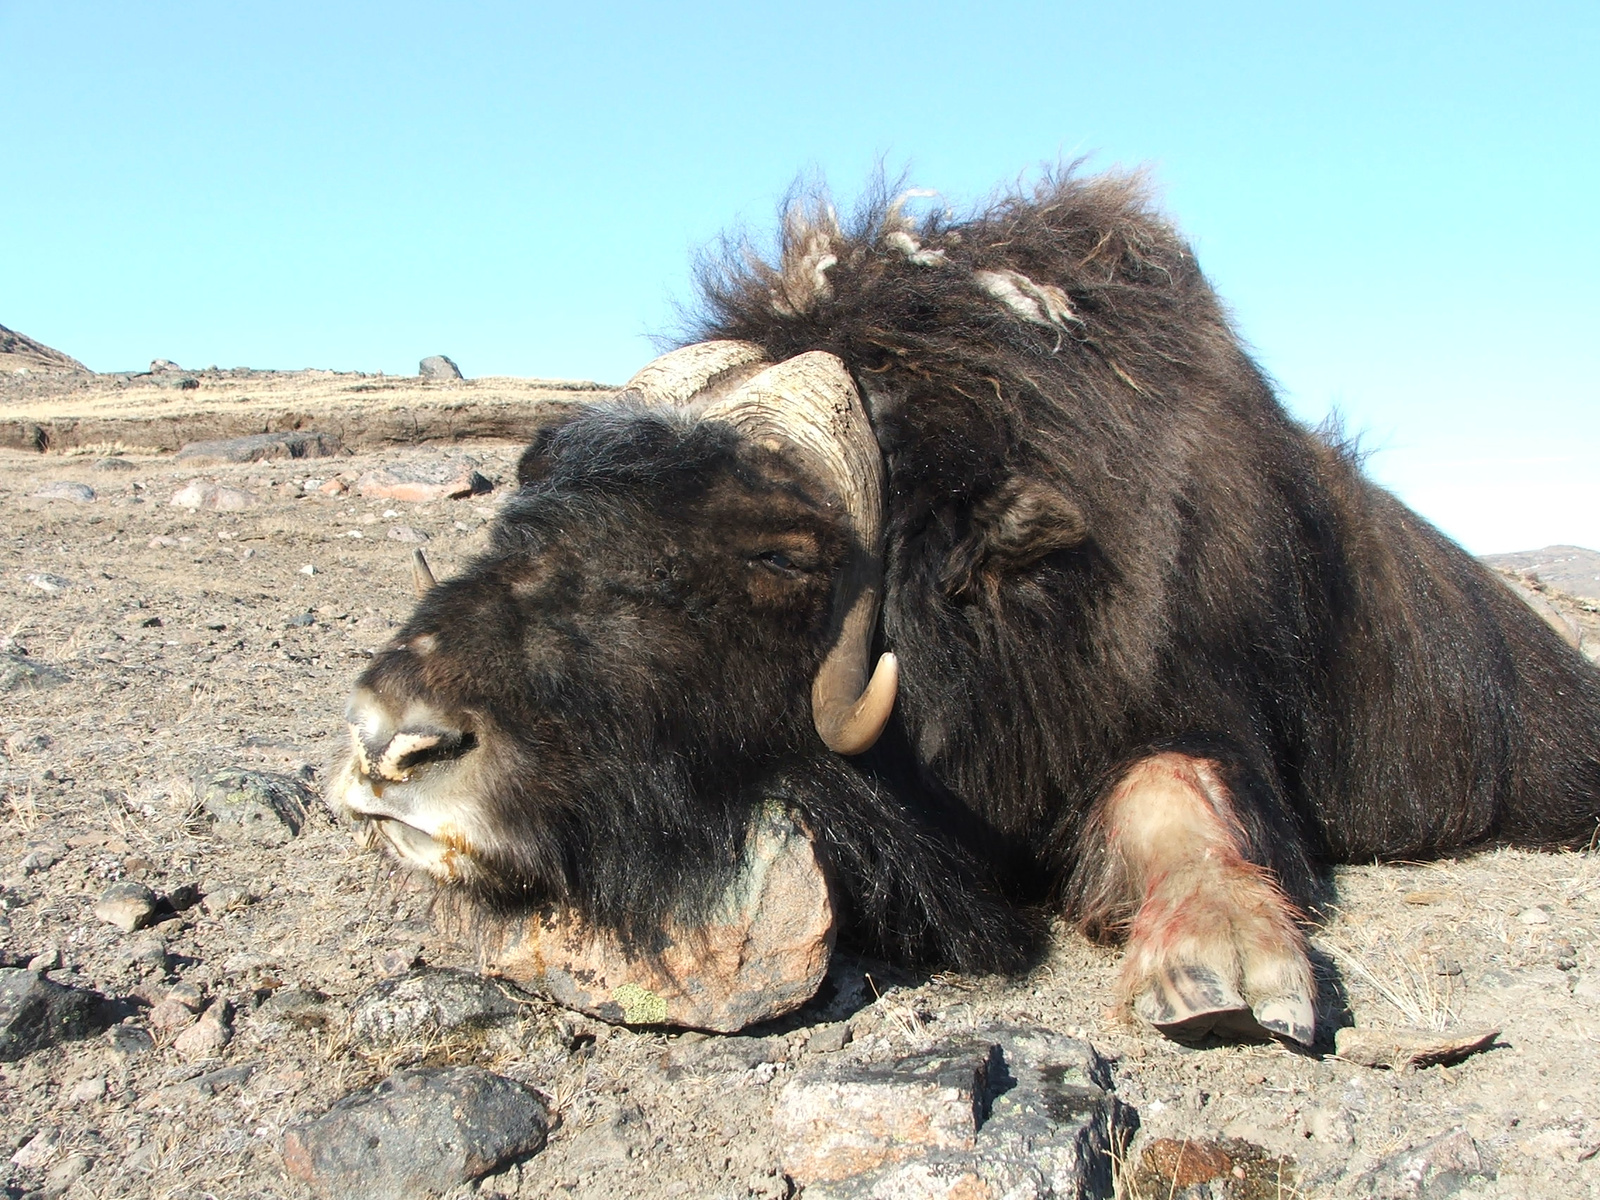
404 533
50 585
170 1017
65 1173
48 959
830 1038
1438 1168
208 1035
256 806
112 465
426 1002
1172 1166
225 898
212 497
257 447
41 856
419 1133
36 1012
447 477
146 954
1447 966
1398 1048
128 905
437 366
129 1041
20 674
89 1089
762 954
333 487
61 489
1534 916
187 994
161 542
397 961
38 1150
302 1008
308 569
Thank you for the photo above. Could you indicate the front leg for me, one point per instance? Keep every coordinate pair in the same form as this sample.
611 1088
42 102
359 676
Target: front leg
1214 946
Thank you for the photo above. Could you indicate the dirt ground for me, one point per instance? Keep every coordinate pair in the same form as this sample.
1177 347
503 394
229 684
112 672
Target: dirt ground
177 643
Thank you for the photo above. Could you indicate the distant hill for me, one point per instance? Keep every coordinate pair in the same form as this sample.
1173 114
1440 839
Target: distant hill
19 352
1570 569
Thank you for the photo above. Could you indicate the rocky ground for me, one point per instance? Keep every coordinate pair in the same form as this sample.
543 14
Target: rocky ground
170 690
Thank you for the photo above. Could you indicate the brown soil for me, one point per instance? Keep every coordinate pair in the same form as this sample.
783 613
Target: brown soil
183 657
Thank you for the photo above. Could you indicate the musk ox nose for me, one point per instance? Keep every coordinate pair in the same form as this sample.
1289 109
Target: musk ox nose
391 746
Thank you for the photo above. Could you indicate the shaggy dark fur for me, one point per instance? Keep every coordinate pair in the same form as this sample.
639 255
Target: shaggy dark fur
1105 538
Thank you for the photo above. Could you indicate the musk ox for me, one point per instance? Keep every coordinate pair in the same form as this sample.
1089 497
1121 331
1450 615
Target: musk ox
983 547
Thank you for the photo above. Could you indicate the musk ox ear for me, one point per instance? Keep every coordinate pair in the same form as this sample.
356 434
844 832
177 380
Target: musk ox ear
1013 528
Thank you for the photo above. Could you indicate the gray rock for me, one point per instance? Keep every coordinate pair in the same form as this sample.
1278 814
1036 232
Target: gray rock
36 1012
829 1039
63 489
293 1007
256 806
50 585
62 1175
112 464
404 533
256 447
429 1001
213 497
1021 1113
129 1041
1433 1171
128 905
40 856
19 674
419 1133
437 366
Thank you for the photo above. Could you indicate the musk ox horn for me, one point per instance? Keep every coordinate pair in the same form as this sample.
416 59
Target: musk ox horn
421 573
807 408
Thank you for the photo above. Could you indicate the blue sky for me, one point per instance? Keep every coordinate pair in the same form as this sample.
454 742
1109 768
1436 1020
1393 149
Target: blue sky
1399 200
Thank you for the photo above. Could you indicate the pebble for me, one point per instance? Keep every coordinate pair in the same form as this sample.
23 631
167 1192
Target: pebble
212 497
62 489
256 447
830 1039
128 905
50 585
37 1150
187 994
438 366
88 1089
36 1012
255 806
419 1133
148 954
404 533
129 1041
41 856
112 464
446 477
428 1001
48 959
225 898
302 1008
1534 916
60 1177
170 1017
209 1034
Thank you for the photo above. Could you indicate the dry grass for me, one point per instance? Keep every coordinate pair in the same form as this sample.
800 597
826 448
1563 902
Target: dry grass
1406 977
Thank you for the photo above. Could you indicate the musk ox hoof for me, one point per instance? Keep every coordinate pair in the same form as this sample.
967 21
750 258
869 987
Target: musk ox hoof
1190 1004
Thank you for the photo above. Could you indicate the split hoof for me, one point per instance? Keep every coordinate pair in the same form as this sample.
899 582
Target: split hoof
1190 1004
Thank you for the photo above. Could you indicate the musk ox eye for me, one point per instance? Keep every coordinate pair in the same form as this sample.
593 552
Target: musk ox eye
777 560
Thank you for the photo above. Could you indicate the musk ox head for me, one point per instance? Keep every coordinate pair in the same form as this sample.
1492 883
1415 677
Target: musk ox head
674 616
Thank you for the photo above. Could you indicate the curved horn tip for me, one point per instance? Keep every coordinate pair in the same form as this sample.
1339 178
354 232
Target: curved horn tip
858 728
421 574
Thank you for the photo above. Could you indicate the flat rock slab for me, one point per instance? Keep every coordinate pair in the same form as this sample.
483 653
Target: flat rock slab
36 1012
256 806
426 1002
1398 1048
213 497
452 477
1025 1114
257 447
61 489
763 954
418 1133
